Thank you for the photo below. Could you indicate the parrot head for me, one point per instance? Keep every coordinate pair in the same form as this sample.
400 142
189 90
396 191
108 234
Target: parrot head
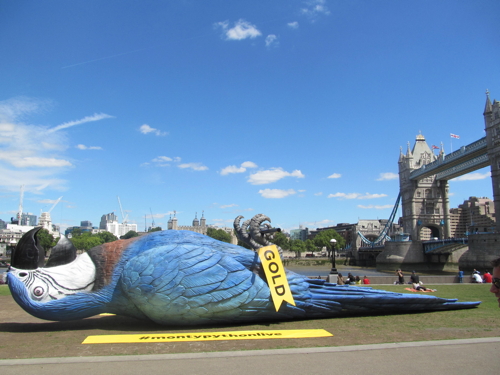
63 274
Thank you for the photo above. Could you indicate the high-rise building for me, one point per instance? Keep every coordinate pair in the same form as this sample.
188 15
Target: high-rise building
475 215
28 218
110 223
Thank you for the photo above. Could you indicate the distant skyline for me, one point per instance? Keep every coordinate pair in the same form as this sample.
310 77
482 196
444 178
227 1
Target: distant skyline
294 109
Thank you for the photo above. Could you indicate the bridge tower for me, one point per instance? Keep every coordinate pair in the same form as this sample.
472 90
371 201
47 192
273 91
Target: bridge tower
425 202
492 127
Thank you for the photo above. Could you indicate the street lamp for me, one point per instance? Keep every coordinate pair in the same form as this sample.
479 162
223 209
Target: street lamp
333 241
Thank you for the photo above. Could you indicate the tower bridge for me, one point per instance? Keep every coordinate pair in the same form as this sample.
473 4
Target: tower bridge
423 180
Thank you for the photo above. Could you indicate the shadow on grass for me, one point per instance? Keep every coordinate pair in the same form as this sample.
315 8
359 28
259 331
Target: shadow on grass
115 323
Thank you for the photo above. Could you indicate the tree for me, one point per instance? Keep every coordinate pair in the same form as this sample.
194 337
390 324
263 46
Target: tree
297 246
281 240
219 234
156 229
107 237
45 239
86 241
323 238
310 245
129 234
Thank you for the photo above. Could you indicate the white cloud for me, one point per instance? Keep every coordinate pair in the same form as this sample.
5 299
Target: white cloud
271 40
26 162
146 129
318 194
34 180
229 205
249 164
272 175
293 25
94 117
276 193
384 207
388 176
372 196
29 154
356 196
234 169
344 195
242 30
473 176
193 166
335 175
315 8
18 108
83 147
163 161
316 224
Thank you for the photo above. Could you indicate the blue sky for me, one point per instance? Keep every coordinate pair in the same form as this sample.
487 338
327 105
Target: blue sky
295 109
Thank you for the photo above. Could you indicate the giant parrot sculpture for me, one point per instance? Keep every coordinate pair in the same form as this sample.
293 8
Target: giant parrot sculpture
185 278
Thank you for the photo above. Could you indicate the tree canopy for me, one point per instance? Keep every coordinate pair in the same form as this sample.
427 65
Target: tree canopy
281 240
129 234
155 229
219 234
107 237
45 239
297 246
322 239
86 240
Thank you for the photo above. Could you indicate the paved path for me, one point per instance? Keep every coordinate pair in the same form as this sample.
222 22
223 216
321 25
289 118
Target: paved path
470 356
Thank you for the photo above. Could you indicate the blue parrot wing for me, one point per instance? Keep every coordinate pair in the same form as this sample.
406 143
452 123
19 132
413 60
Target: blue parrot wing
189 282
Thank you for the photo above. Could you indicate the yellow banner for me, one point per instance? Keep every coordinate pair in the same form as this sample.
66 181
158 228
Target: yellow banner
275 275
207 336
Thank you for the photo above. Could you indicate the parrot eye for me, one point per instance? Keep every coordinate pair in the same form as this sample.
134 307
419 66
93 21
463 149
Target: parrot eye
38 291
23 274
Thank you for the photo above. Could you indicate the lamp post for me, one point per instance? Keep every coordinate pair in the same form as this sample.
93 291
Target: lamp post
333 242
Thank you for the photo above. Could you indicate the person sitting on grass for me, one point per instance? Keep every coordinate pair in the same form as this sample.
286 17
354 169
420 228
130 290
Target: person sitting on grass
366 280
340 279
476 278
487 278
414 278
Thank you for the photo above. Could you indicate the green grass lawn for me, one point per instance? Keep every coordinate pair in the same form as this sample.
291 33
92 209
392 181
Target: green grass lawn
4 290
30 337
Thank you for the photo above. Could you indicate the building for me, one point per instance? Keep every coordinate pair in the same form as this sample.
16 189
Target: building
10 236
46 223
28 219
110 224
475 215
105 219
299 234
199 226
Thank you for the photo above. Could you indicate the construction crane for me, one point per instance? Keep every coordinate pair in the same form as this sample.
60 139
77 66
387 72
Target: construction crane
55 204
20 210
152 219
124 218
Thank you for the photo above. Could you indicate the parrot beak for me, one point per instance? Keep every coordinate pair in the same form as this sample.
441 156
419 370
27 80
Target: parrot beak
28 255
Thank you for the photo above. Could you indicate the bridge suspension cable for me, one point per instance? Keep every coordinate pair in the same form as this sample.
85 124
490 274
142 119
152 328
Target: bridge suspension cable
383 235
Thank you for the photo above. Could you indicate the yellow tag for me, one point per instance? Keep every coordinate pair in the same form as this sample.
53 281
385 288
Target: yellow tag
207 336
275 275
